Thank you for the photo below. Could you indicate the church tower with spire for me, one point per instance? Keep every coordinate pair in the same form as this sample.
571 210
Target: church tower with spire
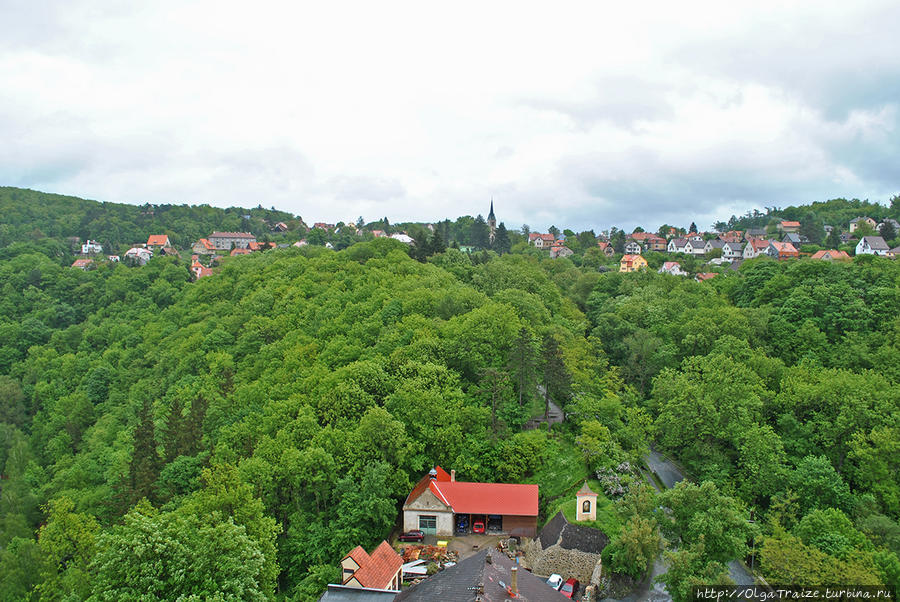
492 221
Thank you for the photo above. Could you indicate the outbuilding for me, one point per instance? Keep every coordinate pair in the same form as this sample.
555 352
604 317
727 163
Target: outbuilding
441 505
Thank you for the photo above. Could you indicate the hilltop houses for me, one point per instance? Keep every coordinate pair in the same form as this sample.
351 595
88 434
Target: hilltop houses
872 245
632 263
91 247
541 241
856 222
782 250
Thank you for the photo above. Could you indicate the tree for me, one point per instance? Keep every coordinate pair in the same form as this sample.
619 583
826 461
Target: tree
813 228
501 240
67 543
554 231
833 240
557 380
493 384
480 233
888 232
688 569
523 363
636 548
693 228
145 461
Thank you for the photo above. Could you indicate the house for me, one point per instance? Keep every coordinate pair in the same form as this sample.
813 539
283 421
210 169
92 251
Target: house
890 221
541 241
782 250
678 245
795 239
755 233
83 264
379 233
261 246
379 570
755 247
559 251
632 263
203 247
872 245
649 241
732 236
488 576
733 250
199 270
712 245
704 276
91 247
695 247
857 221
831 255
158 241
673 268
633 247
606 248
323 226
139 255
225 241
404 238
694 236
300 243
792 227
441 505
245 251
281 227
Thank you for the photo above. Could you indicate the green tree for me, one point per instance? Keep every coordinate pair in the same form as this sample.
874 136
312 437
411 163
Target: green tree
523 364
636 548
557 381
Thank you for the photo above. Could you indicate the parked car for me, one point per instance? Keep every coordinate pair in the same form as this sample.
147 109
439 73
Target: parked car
555 581
414 535
569 587
478 527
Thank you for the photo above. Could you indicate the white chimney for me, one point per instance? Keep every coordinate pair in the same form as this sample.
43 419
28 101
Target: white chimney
452 475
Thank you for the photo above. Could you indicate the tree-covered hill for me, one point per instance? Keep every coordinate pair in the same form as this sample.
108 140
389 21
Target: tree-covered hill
29 215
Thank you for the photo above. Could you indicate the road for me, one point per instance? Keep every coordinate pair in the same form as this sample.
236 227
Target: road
556 414
650 590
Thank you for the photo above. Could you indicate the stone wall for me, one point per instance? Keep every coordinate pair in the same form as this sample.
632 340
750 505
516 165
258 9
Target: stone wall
567 549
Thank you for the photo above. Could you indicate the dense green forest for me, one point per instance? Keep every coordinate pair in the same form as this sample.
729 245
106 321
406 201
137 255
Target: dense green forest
237 435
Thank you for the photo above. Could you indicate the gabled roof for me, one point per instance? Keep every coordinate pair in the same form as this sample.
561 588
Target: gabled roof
786 224
679 242
861 219
705 276
669 265
479 498
585 490
715 244
80 263
158 240
737 247
830 254
478 577
783 247
204 242
376 570
602 244
875 243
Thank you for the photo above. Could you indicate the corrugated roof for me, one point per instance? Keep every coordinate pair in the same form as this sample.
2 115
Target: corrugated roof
488 498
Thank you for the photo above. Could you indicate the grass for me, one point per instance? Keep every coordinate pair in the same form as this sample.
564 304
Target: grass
563 473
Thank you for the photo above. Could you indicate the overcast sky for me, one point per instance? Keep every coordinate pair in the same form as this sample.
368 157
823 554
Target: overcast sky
581 115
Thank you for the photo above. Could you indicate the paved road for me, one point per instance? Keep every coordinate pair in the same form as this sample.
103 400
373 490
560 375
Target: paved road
556 414
649 590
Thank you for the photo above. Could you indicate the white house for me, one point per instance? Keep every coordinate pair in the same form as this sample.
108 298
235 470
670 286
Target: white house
673 268
91 247
713 244
403 238
139 255
733 250
695 247
677 245
872 245
632 247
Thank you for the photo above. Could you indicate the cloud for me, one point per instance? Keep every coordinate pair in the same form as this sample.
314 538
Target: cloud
586 116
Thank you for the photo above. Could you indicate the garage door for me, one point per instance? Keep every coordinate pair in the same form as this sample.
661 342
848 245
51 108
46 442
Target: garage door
428 524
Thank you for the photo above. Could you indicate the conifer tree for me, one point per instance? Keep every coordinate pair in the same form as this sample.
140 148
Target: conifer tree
145 461
557 381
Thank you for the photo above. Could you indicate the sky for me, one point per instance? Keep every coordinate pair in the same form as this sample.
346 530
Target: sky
575 114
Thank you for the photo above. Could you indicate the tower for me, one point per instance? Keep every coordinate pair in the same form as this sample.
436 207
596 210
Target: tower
492 221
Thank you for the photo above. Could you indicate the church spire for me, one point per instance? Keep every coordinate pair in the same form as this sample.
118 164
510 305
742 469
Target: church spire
492 221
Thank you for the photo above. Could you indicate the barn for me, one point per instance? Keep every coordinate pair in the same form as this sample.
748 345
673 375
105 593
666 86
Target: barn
441 505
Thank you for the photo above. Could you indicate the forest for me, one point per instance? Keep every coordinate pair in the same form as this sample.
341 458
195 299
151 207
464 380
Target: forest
234 437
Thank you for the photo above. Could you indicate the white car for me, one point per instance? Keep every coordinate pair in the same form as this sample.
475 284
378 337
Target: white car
555 581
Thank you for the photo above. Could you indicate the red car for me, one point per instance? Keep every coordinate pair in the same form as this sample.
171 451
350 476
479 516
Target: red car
414 535
478 527
569 587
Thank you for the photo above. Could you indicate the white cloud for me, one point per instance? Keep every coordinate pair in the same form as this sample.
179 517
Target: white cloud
583 115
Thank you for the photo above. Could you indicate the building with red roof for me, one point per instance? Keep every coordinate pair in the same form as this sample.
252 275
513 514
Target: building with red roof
379 570
441 505
789 226
158 241
831 255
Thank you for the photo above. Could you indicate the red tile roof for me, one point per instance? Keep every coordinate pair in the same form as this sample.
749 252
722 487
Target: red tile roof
158 240
206 244
378 568
422 485
831 253
790 224
81 263
240 252
705 276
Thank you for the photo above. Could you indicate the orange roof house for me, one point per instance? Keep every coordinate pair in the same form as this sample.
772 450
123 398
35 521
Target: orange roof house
441 505
378 570
831 255
83 264
782 250
158 240
705 276
632 263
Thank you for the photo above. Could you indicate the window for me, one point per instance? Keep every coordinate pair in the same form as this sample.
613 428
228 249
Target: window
586 506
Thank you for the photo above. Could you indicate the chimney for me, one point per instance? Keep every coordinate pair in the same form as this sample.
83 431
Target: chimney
452 475
515 581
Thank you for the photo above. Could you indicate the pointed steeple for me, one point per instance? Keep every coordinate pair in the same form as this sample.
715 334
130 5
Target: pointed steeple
491 214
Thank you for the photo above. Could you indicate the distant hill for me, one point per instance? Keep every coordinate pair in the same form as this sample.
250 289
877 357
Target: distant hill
29 215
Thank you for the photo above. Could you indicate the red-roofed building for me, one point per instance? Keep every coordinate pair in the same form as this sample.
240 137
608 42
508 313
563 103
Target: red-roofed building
831 255
782 250
83 264
704 276
240 252
158 241
441 505
203 247
606 248
541 241
789 227
378 570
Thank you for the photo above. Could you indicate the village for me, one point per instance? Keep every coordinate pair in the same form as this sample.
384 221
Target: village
718 250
